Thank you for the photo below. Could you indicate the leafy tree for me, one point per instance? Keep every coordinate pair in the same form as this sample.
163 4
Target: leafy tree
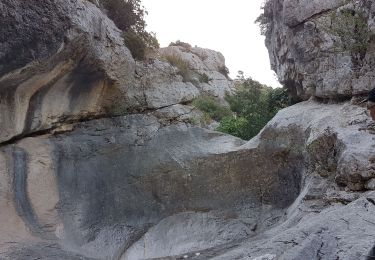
253 105
278 98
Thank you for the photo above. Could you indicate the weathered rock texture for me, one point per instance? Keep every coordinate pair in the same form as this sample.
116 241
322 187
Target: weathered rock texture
71 65
176 189
330 219
208 70
99 159
60 61
108 181
316 55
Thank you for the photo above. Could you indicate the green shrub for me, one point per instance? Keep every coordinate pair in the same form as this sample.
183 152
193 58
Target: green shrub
212 108
251 107
135 44
278 98
181 65
254 105
236 126
128 15
180 43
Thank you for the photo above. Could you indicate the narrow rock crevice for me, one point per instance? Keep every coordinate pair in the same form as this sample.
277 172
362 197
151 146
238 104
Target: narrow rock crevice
72 121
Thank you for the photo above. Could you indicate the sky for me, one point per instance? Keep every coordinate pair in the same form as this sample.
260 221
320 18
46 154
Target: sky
221 25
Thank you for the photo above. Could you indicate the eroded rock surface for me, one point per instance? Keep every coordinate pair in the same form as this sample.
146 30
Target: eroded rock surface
330 219
314 54
77 68
208 70
132 188
69 54
111 179
100 157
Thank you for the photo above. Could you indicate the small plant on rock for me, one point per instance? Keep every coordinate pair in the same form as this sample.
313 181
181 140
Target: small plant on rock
352 29
180 43
181 65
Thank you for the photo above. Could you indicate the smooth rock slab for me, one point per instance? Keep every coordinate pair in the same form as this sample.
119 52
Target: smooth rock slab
114 187
115 178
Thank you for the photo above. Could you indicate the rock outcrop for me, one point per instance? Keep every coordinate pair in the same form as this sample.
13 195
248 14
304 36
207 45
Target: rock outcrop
77 68
332 217
322 48
100 159
70 64
208 70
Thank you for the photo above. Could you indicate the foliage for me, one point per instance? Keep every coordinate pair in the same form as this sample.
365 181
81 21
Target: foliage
253 105
264 20
128 15
278 98
181 65
263 23
250 108
181 43
250 103
211 108
236 126
135 44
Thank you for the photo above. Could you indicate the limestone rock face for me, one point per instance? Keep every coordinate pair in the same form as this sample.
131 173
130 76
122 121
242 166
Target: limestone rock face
159 86
100 158
77 68
70 64
134 187
112 179
333 206
208 70
315 54
296 12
